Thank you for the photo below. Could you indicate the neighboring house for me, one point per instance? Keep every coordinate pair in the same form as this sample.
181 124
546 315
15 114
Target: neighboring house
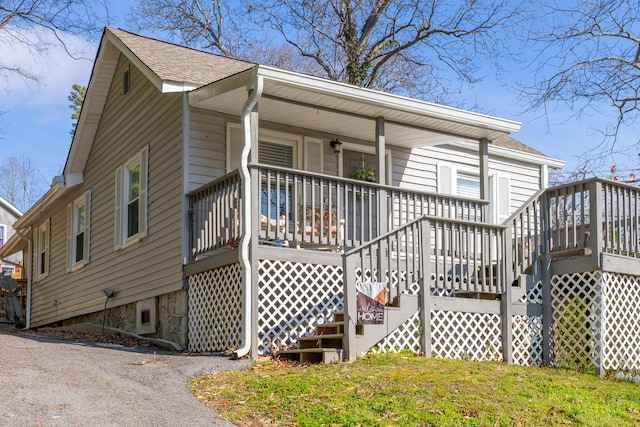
210 201
10 265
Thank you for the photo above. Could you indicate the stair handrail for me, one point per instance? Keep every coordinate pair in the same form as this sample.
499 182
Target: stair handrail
473 255
382 245
527 247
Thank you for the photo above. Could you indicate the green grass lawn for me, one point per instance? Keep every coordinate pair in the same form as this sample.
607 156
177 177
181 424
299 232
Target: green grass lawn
404 390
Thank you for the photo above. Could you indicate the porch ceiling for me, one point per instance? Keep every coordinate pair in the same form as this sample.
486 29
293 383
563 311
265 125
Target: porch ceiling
349 112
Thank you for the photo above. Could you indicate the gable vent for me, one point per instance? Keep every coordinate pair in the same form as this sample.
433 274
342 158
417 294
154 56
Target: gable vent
125 82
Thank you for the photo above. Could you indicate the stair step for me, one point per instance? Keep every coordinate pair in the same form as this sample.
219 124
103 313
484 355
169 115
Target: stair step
329 328
312 355
321 341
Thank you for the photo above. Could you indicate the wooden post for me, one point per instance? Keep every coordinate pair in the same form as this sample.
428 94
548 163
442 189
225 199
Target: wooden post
350 307
425 288
595 202
506 302
483 154
545 261
381 177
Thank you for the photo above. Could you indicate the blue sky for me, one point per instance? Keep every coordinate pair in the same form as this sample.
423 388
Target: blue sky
36 120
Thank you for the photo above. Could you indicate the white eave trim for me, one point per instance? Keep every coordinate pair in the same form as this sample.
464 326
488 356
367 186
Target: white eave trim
164 86
169 86
510 153
345 91
243 79
10 207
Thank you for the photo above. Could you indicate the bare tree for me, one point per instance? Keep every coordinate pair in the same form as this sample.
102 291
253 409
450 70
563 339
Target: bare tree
19 183
590 61
404 46
39 25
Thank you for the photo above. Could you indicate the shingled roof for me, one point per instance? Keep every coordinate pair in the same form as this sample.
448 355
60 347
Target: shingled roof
176 63
514 144
179 63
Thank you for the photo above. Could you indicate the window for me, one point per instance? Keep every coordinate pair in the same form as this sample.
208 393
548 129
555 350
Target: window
78 232
8 271
42 251
131 200
274 148
468 185
3 234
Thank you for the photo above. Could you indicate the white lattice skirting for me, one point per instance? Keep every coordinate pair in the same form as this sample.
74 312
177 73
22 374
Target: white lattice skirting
621 324
292 299
596 320
215 309
595 317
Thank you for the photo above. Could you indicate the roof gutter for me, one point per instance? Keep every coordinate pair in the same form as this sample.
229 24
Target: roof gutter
245 180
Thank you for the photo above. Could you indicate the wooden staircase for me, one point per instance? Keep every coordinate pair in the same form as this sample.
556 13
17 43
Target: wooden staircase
327 344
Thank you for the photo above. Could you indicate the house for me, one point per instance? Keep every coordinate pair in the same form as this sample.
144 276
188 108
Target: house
230 206
11 265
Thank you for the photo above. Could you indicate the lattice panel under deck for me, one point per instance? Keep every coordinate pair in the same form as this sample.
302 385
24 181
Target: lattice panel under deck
404 337
533 294
215 309
576 301
468 336
527 340
622 322
292 299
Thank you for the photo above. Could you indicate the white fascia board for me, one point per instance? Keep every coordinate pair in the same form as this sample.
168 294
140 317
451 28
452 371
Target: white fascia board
153 77
514 154
346 91
169 86
243 79
33 214
8 206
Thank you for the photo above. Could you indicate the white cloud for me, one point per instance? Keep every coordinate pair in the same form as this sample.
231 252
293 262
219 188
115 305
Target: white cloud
55 69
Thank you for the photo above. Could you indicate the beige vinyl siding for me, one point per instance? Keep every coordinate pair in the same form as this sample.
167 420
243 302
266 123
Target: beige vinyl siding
524 179
207 147
144 269
417 169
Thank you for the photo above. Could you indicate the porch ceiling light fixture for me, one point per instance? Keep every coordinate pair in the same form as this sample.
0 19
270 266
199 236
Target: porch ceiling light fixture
336 145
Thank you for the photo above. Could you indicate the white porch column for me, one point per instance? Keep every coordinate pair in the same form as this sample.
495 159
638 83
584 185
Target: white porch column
483 154
381 176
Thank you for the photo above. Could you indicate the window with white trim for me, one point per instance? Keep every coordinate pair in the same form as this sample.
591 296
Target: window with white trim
131 200
78 232
274 148
468 185
3 234
42 251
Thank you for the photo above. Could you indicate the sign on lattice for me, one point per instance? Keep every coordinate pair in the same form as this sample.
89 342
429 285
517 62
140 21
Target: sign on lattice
215 309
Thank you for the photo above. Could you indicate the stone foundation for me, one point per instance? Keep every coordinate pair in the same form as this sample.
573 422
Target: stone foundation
170 318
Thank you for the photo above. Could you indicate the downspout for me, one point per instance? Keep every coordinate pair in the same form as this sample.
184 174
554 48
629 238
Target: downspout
29 276
245 260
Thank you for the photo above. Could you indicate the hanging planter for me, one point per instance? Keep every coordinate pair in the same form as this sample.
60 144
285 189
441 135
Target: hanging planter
364 173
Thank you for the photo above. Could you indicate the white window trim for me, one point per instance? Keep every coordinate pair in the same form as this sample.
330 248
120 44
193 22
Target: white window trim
45 227
72 209
4 231
121 240
272 136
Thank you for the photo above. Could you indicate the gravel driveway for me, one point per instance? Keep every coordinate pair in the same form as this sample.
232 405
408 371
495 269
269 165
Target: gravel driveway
56 380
